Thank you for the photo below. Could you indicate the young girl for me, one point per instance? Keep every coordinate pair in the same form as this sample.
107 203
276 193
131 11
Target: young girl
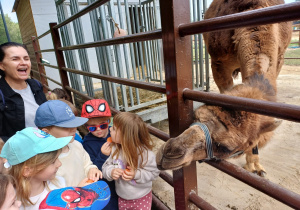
132 163
34 165
8 187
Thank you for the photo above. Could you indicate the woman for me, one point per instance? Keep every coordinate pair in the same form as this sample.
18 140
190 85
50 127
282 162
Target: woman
19 96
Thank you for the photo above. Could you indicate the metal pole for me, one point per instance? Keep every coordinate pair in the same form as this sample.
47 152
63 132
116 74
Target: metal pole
4 22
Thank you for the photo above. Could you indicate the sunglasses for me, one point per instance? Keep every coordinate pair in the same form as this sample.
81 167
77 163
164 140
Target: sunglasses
93 128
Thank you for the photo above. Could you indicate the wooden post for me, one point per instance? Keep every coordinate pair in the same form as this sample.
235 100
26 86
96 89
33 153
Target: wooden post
178 71
60 58
41 68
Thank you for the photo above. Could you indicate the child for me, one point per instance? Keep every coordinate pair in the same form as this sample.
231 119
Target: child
75 111
98 112
8 194
56 118
132 163
34 165
58 93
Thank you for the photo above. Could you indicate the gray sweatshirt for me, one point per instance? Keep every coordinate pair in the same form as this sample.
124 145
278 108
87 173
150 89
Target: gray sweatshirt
141 185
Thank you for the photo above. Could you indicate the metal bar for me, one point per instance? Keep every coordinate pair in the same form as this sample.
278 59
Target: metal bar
59 57
38 59
276 191
156 34
48 65
46 50
82 12
124 81
158 204
177 55
275 109
42 35
268 15
44 75
199 202
45 86
125 50
167 177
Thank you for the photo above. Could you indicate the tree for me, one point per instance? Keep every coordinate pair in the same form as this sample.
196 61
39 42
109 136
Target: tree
13 30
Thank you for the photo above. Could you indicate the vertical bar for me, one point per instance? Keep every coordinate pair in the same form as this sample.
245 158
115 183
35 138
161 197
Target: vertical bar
38 61
4 23
131 48
177 56
59 57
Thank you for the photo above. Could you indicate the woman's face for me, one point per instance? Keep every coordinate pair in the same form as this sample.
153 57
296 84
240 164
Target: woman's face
10 202
16 64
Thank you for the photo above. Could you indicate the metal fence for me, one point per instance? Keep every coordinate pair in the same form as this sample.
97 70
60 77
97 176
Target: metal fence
177 47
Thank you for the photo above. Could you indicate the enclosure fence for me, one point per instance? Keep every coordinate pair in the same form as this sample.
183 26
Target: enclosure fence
177 48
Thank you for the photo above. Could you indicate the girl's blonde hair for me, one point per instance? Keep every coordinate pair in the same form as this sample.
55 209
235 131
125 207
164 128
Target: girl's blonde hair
135 138
51 96
35 164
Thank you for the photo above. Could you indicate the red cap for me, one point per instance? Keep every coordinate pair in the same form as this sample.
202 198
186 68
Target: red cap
95 108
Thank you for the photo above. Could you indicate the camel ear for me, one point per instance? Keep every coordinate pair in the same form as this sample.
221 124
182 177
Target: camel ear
270 125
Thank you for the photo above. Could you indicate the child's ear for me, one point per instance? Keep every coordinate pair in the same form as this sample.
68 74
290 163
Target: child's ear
46 130
27 171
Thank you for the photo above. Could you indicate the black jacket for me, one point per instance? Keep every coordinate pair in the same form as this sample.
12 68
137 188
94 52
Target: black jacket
12 111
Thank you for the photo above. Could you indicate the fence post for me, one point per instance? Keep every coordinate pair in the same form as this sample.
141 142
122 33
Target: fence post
41 69
59 57
178 74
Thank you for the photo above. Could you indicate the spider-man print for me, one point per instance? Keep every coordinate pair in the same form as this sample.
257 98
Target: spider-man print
79 197
94 196
95 108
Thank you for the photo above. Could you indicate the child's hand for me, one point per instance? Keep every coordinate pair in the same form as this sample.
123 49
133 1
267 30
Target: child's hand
116 173
128 174
83 183
106 148
94 174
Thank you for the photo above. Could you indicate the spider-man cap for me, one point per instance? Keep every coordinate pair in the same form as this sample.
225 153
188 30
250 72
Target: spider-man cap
95 108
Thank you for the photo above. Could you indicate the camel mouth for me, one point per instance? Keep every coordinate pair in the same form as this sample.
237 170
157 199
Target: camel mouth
166 161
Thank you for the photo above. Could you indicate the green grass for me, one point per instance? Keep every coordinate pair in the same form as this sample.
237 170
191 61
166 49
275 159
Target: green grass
292 53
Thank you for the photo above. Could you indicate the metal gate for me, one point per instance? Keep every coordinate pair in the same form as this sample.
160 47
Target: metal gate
178 88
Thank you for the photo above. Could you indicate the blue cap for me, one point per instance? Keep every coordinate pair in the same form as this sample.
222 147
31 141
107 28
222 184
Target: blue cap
29 142
57 113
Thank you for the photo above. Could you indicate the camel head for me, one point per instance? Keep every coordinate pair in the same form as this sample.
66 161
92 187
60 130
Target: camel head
231 131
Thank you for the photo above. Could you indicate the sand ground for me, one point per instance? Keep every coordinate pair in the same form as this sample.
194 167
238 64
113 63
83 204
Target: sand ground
280 157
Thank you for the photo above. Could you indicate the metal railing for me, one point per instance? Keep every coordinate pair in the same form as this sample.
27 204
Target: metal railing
179 85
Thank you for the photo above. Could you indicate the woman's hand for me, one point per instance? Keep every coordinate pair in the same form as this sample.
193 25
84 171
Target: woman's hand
106 149
116 173
128 174
94 174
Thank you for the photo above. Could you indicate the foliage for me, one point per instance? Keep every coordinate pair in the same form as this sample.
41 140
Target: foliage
13 30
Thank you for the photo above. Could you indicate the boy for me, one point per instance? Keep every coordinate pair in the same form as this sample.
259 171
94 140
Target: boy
98 112
56 118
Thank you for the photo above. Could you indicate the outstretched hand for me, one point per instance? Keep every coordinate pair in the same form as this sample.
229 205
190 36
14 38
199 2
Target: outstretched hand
94 174
106 149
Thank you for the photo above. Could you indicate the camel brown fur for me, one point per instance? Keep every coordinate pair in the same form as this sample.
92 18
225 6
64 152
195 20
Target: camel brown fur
249 50
231 130
257 52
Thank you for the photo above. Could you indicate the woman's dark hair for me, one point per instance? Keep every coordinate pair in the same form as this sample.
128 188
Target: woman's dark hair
6 45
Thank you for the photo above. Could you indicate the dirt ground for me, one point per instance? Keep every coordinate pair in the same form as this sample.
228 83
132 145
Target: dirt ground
280 157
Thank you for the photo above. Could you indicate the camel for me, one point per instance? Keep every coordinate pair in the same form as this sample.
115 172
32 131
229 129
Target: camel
257 53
